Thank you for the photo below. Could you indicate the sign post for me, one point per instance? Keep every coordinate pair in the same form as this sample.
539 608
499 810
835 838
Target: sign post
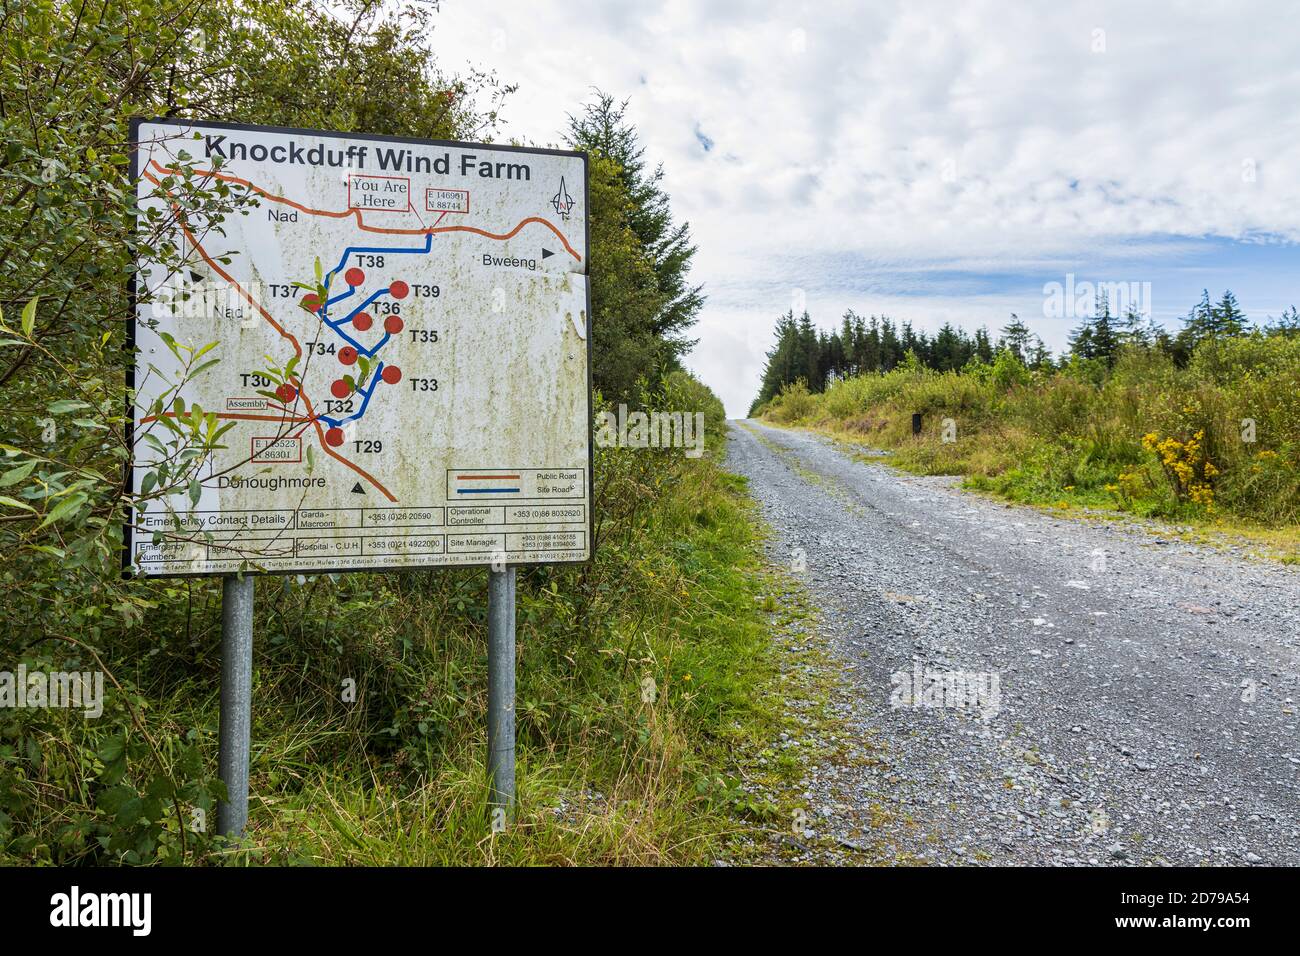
235 729
381 363
501 688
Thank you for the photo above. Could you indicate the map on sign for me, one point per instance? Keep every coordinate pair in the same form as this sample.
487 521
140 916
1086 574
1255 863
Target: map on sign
400 335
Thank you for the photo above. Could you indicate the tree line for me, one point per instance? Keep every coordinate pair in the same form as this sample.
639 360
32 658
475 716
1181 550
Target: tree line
873 345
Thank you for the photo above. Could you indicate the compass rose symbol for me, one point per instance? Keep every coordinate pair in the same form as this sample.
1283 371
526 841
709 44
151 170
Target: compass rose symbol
562 201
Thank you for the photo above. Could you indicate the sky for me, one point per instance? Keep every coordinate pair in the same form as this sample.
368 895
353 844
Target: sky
931 161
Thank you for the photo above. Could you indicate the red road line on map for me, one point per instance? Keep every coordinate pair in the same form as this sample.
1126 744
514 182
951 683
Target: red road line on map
356 213
320 432
298 433
235 415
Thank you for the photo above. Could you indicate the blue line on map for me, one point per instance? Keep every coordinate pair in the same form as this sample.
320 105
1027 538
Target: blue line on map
348 318
365 400
376 250
337 324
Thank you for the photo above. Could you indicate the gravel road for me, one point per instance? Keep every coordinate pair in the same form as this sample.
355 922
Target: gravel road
1097 693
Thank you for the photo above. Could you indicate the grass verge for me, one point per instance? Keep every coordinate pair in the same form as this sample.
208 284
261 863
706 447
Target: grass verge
670 762
652 701
1211 448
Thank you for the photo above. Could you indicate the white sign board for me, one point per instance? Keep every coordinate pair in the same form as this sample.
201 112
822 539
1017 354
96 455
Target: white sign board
432 407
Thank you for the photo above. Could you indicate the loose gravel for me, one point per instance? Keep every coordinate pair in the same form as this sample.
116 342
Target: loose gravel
1090 692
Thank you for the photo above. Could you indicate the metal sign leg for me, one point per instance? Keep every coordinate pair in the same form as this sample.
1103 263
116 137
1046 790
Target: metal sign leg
501 688
236 700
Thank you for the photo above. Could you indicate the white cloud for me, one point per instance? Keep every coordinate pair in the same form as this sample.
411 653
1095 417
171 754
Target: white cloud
910 134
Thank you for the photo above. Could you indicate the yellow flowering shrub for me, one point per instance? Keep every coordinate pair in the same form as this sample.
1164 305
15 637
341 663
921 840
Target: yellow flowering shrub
1189 470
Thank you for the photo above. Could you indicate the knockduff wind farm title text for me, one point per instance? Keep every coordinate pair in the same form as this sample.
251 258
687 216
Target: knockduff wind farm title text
355 156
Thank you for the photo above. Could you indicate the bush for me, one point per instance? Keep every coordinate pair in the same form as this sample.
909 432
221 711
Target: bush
1078 433
795 403
1009 371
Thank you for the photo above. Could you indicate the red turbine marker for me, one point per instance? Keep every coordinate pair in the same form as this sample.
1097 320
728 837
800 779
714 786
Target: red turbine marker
340 389
348 355
391 374
362 321
394 324
334 437
354 277
311 302
399 290
286 393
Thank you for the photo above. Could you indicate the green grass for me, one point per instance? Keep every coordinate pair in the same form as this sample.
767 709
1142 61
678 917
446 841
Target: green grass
604 776
1078 439
678 594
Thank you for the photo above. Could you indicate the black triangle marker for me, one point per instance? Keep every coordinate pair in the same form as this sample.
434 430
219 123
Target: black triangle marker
357 489
546 253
